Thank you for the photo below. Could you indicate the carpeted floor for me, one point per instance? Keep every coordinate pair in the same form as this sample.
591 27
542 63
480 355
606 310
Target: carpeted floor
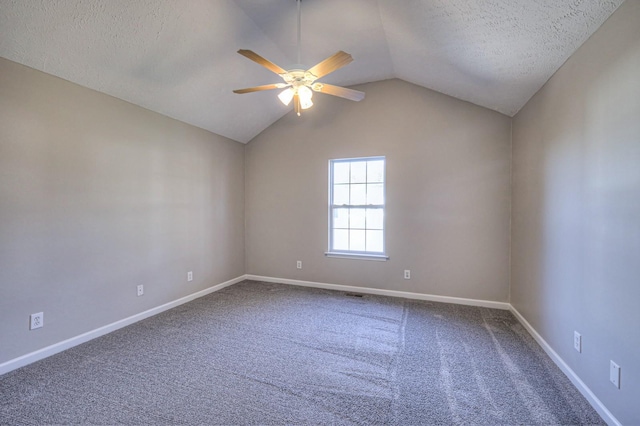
259 353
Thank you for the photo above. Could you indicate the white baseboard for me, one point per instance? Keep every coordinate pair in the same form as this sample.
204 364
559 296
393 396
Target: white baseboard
577 382
383 292
29 358
82 338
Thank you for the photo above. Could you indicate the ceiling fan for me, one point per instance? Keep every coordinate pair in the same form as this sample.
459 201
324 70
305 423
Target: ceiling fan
299 83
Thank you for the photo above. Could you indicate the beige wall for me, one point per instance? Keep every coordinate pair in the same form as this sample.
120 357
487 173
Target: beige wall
98 196
576 211
448 199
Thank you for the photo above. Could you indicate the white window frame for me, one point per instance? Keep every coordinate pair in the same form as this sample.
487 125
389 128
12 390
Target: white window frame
354 254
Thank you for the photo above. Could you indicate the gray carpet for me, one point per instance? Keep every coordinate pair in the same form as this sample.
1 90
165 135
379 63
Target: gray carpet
259 353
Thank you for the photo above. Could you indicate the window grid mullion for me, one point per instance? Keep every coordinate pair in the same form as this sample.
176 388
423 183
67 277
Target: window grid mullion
349 221
350 208
366 199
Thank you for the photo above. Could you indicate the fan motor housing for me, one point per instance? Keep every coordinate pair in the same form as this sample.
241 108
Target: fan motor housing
298 77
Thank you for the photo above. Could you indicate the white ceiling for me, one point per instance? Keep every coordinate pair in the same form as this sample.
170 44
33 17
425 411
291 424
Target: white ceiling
178 57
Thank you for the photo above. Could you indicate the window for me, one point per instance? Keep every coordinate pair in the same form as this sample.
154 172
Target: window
356 207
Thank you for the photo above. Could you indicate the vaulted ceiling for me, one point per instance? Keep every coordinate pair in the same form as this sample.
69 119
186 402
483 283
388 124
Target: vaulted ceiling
178 57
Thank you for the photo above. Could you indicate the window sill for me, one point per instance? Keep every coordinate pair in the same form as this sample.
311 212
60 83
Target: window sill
357 256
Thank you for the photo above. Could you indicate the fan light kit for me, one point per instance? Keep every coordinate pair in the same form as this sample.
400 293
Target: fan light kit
301 84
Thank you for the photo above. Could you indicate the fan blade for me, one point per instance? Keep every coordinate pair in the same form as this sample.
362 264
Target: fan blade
331 64
259 88
296 103
343 92
262 61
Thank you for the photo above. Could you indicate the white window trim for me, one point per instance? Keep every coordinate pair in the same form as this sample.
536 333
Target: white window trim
358 255
345 255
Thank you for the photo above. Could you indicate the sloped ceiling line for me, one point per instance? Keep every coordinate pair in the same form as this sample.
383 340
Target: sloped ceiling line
179 58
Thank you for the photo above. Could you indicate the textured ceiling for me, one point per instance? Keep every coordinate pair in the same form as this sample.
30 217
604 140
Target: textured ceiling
179 57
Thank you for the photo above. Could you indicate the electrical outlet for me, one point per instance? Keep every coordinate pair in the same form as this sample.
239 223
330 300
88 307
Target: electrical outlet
299 264
577 341
36 320
140 290
407 274
190 276
614 374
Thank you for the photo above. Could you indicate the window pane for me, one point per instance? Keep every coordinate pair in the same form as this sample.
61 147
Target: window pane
357 219
340 194
358 194
356 240
375 193
357 184
341 218
375 241
340 172
375 218
340 239
375 171
359 172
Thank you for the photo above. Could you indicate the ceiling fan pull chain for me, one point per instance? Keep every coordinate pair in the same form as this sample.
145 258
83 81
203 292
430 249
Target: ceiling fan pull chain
299 62
301 84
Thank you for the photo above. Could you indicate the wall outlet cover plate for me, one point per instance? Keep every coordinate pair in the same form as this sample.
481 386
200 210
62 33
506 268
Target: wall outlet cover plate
36 321
577 341
614 374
